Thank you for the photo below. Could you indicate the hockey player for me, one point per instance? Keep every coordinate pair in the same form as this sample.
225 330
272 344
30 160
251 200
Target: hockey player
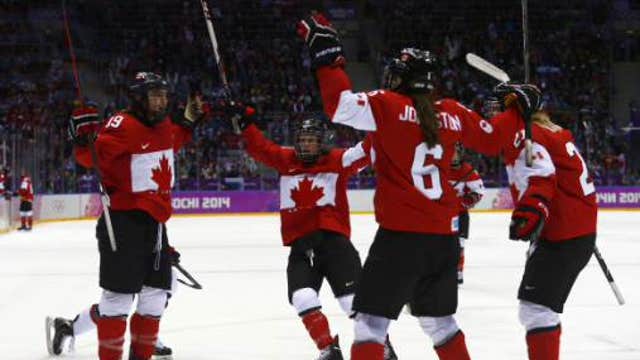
414 256
469 189
314 215
3 186
547 196
65 331
26 202
135 157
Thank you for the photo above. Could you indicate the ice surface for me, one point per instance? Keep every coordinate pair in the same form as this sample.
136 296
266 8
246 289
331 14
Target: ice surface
243 311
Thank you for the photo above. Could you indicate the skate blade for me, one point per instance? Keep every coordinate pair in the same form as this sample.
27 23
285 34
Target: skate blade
162 357
48 328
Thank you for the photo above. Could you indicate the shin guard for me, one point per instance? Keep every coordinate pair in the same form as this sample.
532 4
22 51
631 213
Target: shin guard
111 337
144 334
318 327
454 349
367 351
544 343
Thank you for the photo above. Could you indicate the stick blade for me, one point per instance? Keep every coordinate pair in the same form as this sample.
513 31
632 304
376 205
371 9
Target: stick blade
487 67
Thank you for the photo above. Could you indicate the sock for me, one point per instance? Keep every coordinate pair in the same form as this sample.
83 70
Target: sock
367 351
86 320
144 334
454 349
23 221
318 327
111 337
29 222
544 343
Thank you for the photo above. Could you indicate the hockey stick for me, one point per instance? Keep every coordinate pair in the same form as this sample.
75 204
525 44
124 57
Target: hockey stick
487 67
525 55
104 197
607 274
500 75
216 54
194 284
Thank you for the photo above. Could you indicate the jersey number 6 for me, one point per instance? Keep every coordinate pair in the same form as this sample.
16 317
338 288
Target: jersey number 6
419 171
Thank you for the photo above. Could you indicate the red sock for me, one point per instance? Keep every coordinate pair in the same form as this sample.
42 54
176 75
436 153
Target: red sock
367 351
29 221
144 334
23 221
544 343
318 327
111 337
454 349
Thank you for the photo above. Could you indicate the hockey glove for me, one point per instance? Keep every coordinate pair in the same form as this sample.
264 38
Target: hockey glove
322 40
528 219
238 114
84 124
526 97
174 255
470 200
194 112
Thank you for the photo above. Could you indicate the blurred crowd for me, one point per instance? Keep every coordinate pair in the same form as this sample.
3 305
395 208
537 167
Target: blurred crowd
570 61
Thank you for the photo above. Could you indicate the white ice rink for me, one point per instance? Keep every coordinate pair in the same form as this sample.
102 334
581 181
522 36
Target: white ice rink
243 312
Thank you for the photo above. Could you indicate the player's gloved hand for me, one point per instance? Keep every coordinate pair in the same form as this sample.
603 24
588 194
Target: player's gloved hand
526 97
84 123
174 255
238 114
469 200
194 112
322 40
528 218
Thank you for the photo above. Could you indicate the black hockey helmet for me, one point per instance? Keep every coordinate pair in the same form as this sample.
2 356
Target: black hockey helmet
139 96
310 127
413 72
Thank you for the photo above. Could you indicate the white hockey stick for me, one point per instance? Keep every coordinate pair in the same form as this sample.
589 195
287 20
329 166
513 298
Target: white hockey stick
487 67
500 75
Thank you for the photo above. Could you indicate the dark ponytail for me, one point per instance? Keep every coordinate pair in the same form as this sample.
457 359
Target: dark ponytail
427 118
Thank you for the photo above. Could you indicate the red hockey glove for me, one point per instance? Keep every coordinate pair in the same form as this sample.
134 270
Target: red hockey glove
84 123
470 200
174 255
322 40
528 219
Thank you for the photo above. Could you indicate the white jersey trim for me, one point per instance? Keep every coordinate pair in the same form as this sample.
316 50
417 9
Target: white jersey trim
353 154
355 111
519 173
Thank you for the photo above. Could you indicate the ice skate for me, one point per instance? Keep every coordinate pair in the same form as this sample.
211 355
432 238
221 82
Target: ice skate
162 352
331 352
59 332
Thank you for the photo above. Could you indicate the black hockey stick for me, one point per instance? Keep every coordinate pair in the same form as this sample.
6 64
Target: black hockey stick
193 283
607 274
104 197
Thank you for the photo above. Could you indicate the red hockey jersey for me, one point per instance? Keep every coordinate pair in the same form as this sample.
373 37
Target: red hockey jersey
26 189
558 174
413 192
465 179
136 162
311 198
